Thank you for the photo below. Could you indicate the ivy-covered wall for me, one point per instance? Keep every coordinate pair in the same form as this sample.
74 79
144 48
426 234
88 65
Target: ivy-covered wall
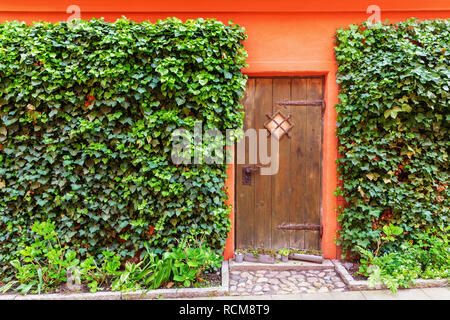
87 112
393 128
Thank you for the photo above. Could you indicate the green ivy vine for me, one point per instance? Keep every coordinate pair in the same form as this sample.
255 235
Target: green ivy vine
87 111
393 128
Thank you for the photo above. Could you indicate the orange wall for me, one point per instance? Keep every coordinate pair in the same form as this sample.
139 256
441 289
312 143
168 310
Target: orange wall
299 42
222 6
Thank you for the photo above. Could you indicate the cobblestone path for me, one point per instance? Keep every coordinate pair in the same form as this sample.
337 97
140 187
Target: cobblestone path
284 282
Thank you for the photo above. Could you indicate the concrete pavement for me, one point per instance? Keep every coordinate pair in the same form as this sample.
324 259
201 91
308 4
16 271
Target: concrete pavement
403 294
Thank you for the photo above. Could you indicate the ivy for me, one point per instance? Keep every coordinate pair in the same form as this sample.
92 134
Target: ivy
87 111
393 128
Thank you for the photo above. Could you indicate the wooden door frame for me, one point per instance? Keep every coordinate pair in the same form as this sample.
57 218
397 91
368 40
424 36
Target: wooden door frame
235 185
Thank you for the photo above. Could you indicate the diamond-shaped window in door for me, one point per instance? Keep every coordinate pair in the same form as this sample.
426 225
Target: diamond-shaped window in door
278 124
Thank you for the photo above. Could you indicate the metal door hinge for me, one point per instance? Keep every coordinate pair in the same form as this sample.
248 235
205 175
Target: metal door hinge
301 227
304 103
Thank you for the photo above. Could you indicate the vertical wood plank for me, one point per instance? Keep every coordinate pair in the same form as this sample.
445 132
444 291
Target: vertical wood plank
281 187
245 195
263 195
293 194
297 159
313 167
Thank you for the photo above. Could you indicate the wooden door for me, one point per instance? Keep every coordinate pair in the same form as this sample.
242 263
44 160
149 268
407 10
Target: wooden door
273 210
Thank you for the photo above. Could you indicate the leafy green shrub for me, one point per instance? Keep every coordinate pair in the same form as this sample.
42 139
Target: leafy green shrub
86 118
182 266
394 269
133 278
191 262
45 265
427 256
99 276
432 250
393 129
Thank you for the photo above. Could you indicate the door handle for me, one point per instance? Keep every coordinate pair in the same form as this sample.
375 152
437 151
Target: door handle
247 174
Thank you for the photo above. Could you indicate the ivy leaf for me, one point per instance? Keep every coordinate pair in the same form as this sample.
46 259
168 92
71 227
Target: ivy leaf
372 176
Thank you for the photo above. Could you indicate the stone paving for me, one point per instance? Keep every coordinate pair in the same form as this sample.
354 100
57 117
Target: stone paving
402 294
272 282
